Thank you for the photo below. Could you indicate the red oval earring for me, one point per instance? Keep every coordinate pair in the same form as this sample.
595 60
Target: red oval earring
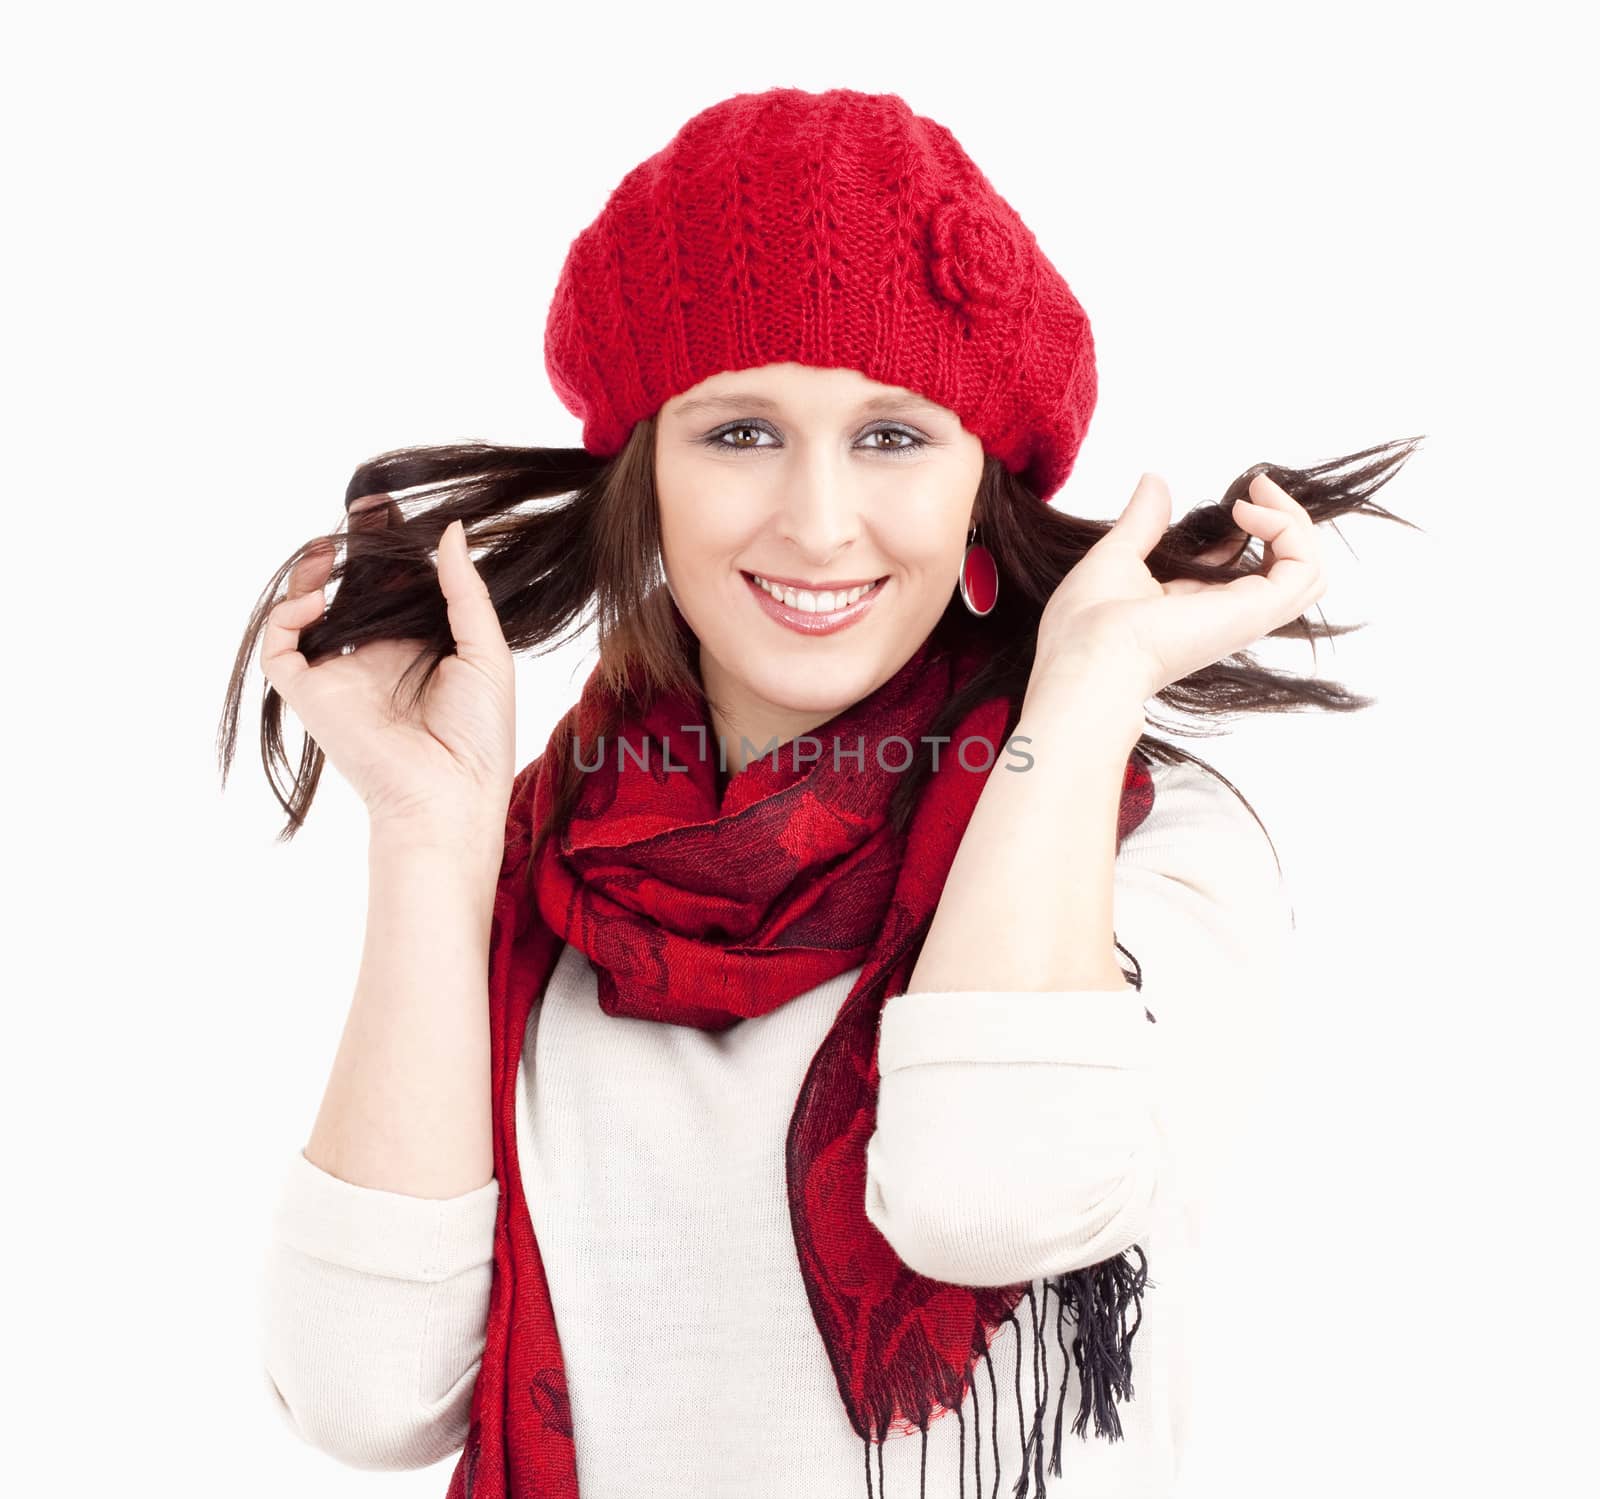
980 578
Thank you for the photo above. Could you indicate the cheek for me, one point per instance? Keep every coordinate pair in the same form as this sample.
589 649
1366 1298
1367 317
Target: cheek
923 527
701 538
924 547
703 544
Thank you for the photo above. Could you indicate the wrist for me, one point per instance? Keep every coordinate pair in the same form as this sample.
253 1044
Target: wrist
1090 701
475 851
1084 719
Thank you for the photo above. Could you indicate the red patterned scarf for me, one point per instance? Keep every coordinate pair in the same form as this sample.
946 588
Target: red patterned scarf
704 907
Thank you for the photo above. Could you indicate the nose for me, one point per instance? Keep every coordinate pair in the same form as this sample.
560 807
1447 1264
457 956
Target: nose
819 514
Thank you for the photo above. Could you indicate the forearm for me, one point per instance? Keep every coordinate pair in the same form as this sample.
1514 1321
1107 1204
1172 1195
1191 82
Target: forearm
1057 1119
1027 903
406 1108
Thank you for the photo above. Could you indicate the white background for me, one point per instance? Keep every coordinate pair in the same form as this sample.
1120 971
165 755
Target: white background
252 246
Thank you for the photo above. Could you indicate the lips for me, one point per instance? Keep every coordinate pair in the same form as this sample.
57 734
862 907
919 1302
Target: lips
813 622
778 587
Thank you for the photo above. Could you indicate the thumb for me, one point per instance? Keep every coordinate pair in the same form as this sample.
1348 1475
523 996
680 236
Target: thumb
1145 518
474 624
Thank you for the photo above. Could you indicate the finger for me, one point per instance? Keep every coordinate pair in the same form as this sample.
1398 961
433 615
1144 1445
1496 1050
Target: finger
312 570
376 512
473 621
1267 491
1145 518
368 504
281 660
1306 544
1292 571
303 602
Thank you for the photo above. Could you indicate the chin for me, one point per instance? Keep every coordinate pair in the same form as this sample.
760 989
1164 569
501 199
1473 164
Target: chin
804 680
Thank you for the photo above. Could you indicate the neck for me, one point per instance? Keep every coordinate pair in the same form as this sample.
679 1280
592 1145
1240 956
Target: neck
747 726
749 731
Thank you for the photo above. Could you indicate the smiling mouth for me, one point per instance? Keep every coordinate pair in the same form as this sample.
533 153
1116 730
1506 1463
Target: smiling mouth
816 601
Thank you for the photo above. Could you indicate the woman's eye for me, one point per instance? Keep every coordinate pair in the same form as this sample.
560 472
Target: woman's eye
905 442
716 437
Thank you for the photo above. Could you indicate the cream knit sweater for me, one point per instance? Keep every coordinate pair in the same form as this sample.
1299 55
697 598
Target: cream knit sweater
1018 1136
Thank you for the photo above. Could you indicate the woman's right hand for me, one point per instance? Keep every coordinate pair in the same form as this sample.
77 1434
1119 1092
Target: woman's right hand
442 773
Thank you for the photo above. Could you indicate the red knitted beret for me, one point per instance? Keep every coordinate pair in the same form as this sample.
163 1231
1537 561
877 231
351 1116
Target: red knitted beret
835 229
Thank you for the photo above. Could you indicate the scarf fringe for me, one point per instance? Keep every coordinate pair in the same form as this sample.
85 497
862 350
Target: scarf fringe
1098 1298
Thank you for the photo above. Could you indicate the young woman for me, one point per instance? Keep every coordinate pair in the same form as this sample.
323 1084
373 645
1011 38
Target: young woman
721 1090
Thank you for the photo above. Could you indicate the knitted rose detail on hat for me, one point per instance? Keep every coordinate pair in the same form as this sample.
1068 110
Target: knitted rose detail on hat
977 263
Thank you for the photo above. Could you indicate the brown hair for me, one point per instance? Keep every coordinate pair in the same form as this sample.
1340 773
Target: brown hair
593 554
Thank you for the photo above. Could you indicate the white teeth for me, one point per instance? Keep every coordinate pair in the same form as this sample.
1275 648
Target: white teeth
813 603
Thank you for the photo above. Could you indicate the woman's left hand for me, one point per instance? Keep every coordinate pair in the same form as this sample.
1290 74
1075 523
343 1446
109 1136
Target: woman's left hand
1111 615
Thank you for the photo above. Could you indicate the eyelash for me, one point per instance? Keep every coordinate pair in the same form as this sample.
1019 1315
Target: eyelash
714 439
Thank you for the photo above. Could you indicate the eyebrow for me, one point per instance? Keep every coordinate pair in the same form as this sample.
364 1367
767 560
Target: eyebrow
753 402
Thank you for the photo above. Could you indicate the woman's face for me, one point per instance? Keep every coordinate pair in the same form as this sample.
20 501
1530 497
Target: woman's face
798 475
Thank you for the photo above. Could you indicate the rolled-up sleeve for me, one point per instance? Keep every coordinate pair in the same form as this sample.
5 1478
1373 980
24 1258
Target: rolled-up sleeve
373 1308
1021 1135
